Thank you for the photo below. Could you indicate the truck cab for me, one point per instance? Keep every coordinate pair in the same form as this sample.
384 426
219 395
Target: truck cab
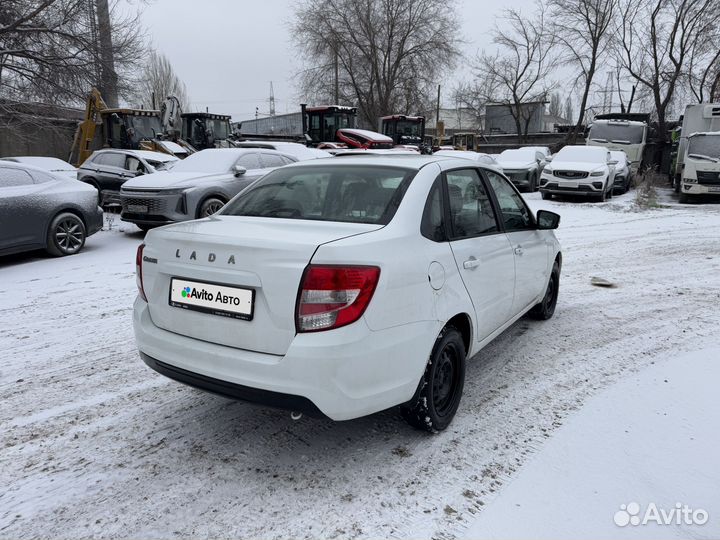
206 130
130 129
320 124
700 119
630 136
403 129
701 171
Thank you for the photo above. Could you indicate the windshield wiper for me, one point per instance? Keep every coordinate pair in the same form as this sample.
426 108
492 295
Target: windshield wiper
599 140
703 156
620 141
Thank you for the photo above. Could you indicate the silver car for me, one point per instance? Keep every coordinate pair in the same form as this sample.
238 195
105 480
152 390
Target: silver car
39 209
196 187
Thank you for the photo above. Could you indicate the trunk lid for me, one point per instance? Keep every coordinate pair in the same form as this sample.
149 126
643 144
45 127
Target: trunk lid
266 255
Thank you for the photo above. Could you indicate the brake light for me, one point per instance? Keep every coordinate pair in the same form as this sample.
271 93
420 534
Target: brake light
138 271
334 296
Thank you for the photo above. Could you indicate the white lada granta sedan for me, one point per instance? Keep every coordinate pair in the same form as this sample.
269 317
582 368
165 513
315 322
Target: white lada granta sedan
346 286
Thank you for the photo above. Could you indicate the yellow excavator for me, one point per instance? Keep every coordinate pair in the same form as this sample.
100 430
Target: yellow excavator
138 129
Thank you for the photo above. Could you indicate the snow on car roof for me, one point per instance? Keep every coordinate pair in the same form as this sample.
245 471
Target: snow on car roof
156 156
593 154
371 135
43 162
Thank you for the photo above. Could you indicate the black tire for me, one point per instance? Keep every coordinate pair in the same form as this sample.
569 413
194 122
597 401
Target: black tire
533 184
684 198
610 193
546 308
144 227
438 396
66 235
209 206
602 197
676 184
546 196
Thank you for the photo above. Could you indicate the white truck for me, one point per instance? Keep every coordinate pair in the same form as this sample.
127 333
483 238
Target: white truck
697 169
629 136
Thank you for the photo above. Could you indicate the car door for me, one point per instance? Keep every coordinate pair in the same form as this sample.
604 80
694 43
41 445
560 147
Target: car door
529 245
482 251
253 171
112 173
21 220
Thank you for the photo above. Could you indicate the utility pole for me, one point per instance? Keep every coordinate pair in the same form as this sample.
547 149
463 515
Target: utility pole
272 100
108 78
437 107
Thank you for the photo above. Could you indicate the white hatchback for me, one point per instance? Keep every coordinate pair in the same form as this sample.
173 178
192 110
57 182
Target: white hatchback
341 288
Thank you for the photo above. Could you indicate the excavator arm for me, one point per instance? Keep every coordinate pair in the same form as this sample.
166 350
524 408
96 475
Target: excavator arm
85 133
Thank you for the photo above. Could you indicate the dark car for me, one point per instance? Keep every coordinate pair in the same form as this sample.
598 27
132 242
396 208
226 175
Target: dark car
196 187
39 209
107 170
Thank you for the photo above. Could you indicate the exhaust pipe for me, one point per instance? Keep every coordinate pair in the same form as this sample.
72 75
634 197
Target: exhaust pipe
295 416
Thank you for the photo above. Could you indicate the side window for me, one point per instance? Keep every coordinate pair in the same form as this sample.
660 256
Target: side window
41 177
112 159
14 177
133 164
97 159
432 225
10 177
271 160
287 160
249 161
515 213
471 211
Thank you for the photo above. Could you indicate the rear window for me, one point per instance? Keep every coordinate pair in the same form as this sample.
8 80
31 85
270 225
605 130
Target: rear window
354 194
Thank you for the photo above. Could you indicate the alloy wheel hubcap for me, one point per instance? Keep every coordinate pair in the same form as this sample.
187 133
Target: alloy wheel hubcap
212 208
69 235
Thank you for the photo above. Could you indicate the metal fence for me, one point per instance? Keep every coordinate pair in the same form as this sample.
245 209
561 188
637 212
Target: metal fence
281 124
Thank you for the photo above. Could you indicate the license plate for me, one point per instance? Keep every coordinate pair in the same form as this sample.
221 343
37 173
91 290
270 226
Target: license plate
714 189
137 208
212 298
572 185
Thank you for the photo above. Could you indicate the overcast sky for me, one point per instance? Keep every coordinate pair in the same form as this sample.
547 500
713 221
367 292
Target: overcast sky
228 51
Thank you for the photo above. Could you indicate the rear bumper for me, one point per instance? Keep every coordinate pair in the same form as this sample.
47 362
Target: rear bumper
342 374
234 391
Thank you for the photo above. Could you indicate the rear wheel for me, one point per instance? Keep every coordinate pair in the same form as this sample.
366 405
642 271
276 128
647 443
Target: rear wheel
66 235
546 308
436 402
210 206
546 196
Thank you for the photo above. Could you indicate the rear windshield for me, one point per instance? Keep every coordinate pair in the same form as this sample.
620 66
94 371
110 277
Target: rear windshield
353 193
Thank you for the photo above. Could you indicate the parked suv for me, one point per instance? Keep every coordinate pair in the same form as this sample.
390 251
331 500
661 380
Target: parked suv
198 186
343 287
107 170
579 170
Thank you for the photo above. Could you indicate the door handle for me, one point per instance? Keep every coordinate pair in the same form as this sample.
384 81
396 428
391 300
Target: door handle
471 263
518 250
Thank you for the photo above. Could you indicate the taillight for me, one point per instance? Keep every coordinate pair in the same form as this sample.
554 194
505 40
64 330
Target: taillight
138 271
334 296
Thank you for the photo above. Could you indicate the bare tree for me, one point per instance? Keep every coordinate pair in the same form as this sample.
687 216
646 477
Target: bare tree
556 106
568 109
517 74
160 81
386 56
703 72
658 39
49 49
583 31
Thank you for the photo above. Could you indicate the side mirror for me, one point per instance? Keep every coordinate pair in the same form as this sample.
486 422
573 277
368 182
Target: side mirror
548 159
239 170
613 162
547 220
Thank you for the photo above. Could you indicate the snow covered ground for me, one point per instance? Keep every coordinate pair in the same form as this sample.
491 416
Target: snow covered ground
96 444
